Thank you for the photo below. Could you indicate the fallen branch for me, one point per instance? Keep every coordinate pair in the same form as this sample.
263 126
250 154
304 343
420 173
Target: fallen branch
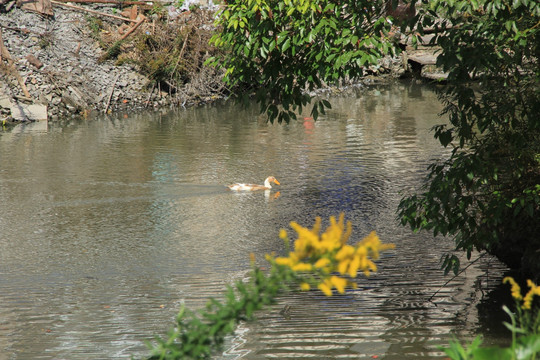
4 53
133 28
150 94
24 31
23 98
111 93
91 11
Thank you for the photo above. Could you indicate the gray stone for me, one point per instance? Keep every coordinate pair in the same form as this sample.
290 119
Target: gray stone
32 112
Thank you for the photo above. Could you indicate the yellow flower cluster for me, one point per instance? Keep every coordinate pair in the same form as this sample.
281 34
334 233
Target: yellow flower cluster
328 256
516 292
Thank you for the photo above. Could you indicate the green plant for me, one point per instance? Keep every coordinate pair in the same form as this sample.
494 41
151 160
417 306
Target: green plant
157 8
45 41
173 53
321 260
487 193
282 49
95 24
112 52
524 326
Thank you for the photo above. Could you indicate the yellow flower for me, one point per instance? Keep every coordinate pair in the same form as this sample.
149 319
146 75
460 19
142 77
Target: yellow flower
372 243
330 253
305 286
306 240
383 247
327 290
284 261
527 300
361 251
353 266
322 262
339 283
343 265
302 267
370 265
304 233
516 290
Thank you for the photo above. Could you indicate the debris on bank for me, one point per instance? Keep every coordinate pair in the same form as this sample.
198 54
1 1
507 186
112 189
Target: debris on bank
60 59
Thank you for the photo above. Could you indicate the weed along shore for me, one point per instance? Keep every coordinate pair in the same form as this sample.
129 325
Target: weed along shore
62 59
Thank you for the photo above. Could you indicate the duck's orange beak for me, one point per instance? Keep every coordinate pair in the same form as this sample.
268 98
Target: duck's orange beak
276 182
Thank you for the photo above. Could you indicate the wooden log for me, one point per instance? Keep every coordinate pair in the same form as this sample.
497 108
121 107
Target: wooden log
5 54
92 11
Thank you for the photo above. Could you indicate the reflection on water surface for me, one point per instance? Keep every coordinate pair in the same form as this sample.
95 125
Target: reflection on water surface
109 224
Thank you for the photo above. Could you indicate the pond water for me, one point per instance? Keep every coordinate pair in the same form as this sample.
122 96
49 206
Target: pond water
108 225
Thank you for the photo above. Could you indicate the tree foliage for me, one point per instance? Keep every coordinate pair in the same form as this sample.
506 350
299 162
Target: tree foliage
487 193
280 49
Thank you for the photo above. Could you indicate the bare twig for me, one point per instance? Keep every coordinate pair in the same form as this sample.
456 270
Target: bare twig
111 93
455 276
181 53
133 28
92 11
150 94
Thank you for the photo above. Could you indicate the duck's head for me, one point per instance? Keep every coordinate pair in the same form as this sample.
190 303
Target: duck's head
271 179
274 180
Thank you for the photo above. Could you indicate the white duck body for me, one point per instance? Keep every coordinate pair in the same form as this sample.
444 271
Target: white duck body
252 187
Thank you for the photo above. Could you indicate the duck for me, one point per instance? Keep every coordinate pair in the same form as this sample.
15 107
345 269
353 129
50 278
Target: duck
252 187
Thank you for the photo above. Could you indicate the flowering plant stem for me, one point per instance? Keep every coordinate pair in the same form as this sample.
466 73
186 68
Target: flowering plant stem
323 260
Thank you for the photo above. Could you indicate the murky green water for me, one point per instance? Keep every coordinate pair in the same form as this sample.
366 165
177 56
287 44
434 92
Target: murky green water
108 225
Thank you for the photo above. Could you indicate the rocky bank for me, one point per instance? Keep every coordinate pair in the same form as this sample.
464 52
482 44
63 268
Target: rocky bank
54 67
59 63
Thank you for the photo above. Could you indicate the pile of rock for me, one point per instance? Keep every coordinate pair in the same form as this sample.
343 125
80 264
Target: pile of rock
58 62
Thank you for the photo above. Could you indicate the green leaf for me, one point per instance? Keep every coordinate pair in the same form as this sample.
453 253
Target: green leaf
286 45
492 353
327 104
528 347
